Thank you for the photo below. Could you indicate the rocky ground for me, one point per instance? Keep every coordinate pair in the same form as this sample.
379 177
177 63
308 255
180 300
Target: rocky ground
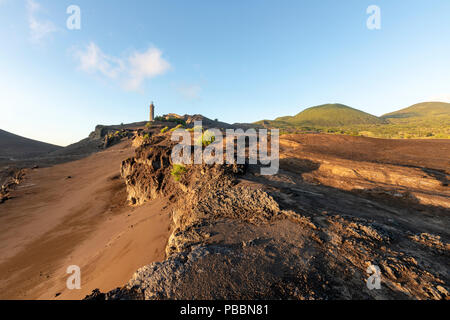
338 205
309 232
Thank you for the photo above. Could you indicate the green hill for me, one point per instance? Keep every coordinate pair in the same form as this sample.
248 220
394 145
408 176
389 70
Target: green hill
327 115
421 110
423 120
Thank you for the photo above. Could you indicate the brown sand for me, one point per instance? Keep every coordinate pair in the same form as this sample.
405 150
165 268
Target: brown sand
54 221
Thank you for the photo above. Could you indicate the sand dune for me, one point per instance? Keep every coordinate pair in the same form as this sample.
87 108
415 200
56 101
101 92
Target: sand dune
76 213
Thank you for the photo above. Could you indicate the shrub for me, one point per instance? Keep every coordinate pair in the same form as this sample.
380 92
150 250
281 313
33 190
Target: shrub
177 127
176 120
177 171
148 125
164 129
194 128
206 138
146 137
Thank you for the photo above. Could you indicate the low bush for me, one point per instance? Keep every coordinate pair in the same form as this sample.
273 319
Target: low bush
195 128
177 171
180 126
206 138
176 120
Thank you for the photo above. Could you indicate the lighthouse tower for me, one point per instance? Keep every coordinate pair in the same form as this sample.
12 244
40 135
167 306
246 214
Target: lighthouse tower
152 112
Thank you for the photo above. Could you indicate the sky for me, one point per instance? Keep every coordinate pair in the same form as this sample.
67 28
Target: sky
234 60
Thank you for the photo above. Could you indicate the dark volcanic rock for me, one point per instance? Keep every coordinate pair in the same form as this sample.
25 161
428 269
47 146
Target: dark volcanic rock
148 174
239 235
10 179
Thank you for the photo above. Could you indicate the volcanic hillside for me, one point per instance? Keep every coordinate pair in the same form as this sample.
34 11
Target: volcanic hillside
14 146
425 110
327 115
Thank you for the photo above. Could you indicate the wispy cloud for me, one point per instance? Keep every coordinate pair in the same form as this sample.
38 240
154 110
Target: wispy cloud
131 72
39 28
93 60
145 65
190 92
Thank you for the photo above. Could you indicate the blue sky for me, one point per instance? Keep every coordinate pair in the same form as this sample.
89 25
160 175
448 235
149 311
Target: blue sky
238 61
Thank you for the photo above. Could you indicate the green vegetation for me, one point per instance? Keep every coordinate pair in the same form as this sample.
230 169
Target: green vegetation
325 116
177 171
148 125
194 128
117 134
421 110
146 137
424 120
176 120
206 139
180 126
163 130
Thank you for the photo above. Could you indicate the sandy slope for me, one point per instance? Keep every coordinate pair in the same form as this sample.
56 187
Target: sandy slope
55 221
14 146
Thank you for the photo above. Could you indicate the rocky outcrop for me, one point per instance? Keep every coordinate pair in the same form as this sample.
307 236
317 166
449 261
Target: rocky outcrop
147 175
115 137
117 294
99 132
4 194
286 260
238 235
14 178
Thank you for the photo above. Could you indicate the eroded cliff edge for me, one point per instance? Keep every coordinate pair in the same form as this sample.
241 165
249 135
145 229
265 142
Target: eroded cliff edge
239 235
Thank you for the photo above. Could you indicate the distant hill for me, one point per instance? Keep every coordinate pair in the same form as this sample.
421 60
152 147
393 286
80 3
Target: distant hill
427 119
327 115
421 110
422 120
14 146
